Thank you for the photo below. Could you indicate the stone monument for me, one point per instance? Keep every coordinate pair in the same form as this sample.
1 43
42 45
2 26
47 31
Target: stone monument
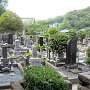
29 42
22 40
71 51
10 39
34 60
40 41
17 48
5 61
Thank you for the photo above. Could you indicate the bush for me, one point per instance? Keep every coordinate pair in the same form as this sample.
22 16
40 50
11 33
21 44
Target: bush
28 54
43 78
88 56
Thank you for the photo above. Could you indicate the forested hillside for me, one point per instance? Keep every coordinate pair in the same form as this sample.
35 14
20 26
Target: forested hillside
77 19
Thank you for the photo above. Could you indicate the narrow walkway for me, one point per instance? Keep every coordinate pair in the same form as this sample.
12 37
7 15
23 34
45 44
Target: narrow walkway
74 87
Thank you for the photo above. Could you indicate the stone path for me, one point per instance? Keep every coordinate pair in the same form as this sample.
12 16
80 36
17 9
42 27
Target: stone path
74 87
13 76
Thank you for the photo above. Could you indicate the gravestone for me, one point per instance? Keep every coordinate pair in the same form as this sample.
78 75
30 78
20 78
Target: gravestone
34 60
4 51
5 38
0 39
71 51
10 39
16 36
22 40
34 51
46 41
5 62
17 48
40 41
29 42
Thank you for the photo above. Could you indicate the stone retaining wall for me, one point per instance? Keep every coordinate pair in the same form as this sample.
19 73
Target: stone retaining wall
16 86
69 84
84 81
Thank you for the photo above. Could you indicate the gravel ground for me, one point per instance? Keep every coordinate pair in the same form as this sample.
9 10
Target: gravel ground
12 76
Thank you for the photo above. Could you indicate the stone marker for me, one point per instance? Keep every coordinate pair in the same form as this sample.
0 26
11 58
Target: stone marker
28 43
22 40
4 51
71 51
34 51
34 60
5 62
40 41
17 48
10 39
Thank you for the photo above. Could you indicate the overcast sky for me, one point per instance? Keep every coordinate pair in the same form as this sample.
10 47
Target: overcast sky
43 9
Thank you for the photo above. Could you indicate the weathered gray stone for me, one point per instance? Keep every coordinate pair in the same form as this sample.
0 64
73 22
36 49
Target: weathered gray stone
34 60
84 80
82 88
16 86
29 42
34 51
17 48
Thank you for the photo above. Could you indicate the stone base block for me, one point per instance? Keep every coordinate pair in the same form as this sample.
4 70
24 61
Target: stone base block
35 61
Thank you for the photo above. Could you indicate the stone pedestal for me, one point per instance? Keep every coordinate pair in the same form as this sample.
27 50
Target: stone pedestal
35 61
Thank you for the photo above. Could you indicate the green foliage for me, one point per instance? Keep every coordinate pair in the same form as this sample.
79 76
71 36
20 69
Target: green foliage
44 58
77 19
43 78
72 33
87 31
52 31
59 42
36 28
3 4
82 35
57 19
28 54
10 22
88 56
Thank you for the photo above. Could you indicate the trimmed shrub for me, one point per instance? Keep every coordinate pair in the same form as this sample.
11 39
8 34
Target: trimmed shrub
43 78
88 56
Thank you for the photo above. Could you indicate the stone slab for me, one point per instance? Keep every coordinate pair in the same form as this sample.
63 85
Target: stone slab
75 71
35 61
16 86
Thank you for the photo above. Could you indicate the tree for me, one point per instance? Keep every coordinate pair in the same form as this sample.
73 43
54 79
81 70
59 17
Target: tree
10 22
88 56
3 4
72 33
52 31
58 43
87 31
36 28
82 35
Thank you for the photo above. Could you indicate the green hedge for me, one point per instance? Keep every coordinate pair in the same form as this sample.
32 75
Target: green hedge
88 56
43 78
